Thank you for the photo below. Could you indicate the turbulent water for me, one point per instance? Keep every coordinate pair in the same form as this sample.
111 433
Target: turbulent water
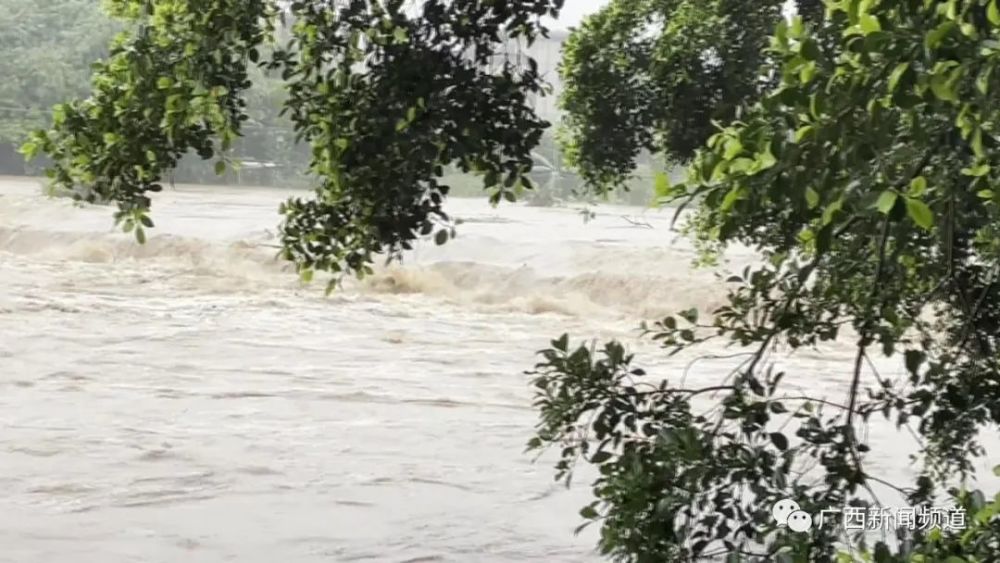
190 400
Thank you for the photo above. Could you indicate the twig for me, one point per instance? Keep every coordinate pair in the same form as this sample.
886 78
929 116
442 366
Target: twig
967 329
849 433
637 223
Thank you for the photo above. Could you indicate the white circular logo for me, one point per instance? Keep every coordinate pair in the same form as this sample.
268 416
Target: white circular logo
799 521
783 509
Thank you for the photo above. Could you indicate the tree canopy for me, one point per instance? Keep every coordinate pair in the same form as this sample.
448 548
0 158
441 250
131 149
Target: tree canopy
659 75
385 97
48 48
51 47
866 179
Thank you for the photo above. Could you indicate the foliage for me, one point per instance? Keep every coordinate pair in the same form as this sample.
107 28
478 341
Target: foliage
51 47
48 48
656 75
388 100
267 137
171 84
866 179
385 97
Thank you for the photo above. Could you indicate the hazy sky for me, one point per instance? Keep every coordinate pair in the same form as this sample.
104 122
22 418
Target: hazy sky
574 10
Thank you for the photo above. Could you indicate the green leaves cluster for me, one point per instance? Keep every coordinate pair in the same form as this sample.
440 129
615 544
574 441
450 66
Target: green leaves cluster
865 176
675 484
386 97
871 176
656 75
48 48
171 84
389 100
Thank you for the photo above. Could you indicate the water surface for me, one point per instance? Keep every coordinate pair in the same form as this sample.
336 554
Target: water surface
190 400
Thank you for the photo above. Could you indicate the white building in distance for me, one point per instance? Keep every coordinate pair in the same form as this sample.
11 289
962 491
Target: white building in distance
547 52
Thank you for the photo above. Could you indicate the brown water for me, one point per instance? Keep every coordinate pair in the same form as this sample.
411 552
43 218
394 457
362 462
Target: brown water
190 400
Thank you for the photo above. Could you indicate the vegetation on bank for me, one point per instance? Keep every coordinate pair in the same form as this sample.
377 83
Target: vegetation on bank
54 45
861 161
855 147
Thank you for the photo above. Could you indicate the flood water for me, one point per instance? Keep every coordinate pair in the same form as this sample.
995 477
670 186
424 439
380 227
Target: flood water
190 400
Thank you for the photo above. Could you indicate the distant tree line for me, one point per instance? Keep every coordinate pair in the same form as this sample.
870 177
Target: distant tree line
53 44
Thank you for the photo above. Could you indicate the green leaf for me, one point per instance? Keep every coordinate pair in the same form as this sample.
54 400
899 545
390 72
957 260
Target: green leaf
801 132
831 209
661 185
943 88
733 148
869 24
977 143
913 359
886 201
689 315
896 75
306 275
935 36
992 13
441 237
983 80
29 150
920 213
735 194
779 440
59 114
796 28
977 171
140 235
164 82
807 72
737 165
220 168
600 457
810 49
812 198
918 186
766 159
